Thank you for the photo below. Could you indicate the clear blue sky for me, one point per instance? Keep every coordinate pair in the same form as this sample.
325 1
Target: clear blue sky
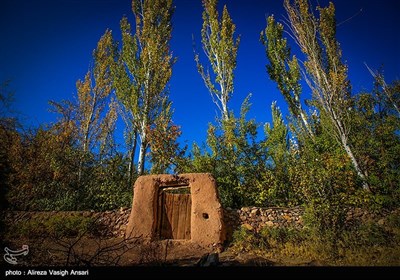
46 45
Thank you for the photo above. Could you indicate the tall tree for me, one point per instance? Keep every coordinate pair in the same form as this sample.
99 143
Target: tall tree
325 73
164 149
391 93
284 71
93 93
145 68
127 91
220 46
276 188
93 122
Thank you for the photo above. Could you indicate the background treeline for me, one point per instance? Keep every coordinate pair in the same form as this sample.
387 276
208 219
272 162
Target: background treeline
335 150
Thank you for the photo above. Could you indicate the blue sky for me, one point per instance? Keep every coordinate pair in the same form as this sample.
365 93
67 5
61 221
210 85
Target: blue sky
46 45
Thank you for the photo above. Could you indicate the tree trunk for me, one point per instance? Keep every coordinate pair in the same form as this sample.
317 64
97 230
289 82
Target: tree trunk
132 160
225 112
142 153
82 157
355 164
306 124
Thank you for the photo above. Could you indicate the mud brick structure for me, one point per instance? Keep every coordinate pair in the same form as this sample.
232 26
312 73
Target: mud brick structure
181 207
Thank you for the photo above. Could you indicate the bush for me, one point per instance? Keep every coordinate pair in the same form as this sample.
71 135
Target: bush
282 235
244 239
55 226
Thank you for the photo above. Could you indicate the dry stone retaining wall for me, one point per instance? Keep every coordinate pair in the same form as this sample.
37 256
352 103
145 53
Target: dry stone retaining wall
113 223
109 223
254 218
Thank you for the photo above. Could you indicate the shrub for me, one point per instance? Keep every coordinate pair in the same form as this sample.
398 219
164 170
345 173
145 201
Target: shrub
281 235
55 226
244 239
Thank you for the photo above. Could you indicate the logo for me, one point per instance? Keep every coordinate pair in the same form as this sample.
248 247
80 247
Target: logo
10 255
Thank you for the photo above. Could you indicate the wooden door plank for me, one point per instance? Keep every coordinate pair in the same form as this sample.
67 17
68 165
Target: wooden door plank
179 218
188 217
182 217
172 213
175 217
164 219
166 228
158 215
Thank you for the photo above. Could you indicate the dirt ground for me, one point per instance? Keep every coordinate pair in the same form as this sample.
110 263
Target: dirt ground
86 251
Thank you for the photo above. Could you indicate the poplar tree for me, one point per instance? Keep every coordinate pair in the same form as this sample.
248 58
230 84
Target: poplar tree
127 92
95 123
220 47
145 68
284 70
323 70
164 149
92 116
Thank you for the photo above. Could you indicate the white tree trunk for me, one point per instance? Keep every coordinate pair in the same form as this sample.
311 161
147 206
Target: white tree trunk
142 152
306 124
355 163
132 160
225 111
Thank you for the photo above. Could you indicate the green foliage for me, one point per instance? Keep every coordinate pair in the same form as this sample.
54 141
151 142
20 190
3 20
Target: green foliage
165 152
56 226
234 157
243 239
275 187
280 235
142 71
377 125
366 244
372 235
220 47
338 150
106 189
347 143
325 218
284 71
45 167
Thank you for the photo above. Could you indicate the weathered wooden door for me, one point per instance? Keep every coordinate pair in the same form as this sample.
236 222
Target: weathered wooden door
174 214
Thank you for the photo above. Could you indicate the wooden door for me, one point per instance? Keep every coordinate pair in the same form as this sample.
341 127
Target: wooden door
174 215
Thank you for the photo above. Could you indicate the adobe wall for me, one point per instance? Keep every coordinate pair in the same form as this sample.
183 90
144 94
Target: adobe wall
207 227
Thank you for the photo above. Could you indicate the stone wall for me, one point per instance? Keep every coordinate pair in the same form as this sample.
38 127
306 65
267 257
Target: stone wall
255 218
108 223
113 223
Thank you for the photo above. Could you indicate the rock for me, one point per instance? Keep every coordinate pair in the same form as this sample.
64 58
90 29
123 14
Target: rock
269 224
287 217
264 219
87 214
255 212
381 222
208 260
248 226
